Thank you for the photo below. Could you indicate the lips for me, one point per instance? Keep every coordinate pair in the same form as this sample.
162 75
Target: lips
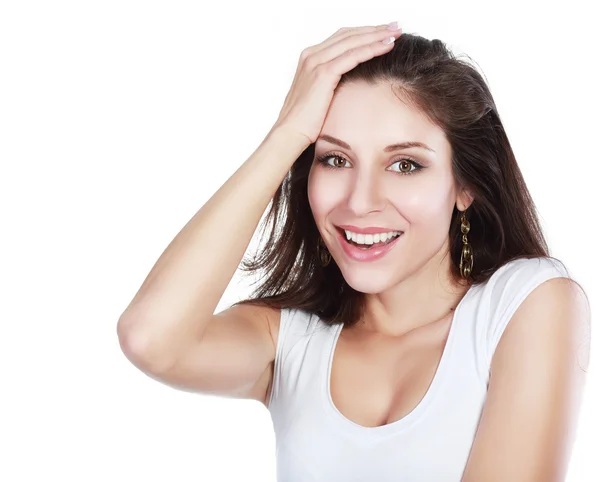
364 255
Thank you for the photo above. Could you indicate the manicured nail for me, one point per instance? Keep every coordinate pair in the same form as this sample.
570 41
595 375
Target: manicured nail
393 26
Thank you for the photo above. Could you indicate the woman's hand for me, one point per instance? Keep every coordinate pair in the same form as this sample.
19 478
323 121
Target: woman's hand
319 71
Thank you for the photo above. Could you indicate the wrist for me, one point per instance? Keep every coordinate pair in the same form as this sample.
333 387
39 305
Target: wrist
289 136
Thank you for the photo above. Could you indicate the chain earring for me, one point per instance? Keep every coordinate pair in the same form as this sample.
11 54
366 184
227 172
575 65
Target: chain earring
324 255
466 257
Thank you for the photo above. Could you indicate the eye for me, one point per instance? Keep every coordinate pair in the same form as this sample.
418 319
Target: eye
323 160
404 163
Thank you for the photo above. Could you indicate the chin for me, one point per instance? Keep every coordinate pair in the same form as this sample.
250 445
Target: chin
367 283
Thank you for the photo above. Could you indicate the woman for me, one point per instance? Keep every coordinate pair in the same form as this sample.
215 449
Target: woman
411 324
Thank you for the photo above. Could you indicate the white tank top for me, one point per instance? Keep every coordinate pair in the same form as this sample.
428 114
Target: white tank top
315 442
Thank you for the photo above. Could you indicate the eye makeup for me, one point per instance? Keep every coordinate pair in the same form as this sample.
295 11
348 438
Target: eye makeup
322 159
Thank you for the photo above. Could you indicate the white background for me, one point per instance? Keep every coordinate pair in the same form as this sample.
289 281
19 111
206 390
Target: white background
119 120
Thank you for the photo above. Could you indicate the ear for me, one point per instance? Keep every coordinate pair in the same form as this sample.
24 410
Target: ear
464 199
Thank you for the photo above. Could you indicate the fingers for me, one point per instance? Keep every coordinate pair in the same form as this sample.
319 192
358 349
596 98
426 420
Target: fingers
319 71
346 31
349 44
349 59
341 34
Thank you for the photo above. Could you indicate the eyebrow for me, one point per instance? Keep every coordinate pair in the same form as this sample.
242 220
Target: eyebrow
390 148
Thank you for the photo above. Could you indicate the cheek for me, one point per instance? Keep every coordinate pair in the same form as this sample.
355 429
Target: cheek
423 203
323 194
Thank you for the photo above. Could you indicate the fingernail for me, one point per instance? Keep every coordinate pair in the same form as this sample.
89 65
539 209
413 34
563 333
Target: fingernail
393 26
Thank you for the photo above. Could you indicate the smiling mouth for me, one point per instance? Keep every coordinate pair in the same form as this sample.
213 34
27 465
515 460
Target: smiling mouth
366 247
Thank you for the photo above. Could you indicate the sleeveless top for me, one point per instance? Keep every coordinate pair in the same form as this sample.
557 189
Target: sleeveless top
315 442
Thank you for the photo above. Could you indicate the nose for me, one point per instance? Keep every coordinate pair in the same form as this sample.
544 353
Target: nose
365 195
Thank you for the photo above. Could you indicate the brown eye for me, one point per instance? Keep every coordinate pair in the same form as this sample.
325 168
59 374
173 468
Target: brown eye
338 161
405 164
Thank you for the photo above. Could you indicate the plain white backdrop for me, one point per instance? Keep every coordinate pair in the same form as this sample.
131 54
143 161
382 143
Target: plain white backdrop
119 120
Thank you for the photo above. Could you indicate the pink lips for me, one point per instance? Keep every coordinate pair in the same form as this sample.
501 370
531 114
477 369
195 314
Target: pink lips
371 254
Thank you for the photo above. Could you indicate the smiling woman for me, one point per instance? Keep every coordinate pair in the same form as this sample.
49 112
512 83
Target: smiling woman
414 192
400 330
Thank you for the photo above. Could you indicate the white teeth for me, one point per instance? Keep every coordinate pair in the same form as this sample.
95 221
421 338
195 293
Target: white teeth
370 238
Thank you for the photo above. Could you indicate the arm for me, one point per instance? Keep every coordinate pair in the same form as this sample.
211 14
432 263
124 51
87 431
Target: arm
529 422
174 305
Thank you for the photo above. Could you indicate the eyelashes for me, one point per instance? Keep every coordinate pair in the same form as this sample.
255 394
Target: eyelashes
323 161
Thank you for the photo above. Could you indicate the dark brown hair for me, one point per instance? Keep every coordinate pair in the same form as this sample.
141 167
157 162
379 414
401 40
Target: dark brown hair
503 218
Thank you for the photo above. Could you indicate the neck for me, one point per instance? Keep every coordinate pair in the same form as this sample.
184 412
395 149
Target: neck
426 296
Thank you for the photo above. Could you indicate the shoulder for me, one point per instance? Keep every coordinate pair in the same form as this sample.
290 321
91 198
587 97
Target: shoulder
518 271
554 314
508 288
544 308
510 284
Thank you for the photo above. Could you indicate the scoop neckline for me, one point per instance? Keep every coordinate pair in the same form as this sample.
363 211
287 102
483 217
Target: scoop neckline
407 420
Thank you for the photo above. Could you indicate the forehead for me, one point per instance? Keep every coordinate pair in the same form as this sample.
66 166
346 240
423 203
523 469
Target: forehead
364 114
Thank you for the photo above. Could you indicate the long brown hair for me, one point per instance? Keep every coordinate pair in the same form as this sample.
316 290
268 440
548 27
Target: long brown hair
503 218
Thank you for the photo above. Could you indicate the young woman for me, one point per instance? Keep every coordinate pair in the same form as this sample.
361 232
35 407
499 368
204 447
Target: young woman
411 324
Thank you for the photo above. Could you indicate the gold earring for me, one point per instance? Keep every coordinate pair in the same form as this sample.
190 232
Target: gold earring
324 255
466 257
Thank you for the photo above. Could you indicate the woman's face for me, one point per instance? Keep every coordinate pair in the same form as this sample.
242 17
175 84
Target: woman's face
365 185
